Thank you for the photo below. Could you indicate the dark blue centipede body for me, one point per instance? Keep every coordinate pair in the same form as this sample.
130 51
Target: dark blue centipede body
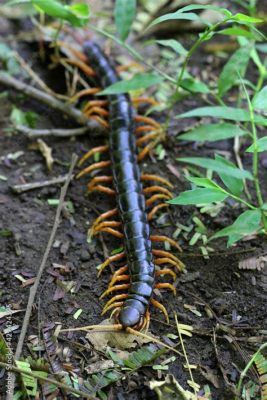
129 193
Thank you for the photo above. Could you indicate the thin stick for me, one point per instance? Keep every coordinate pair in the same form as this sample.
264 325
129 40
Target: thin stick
49 100
48 380
36 133
34 288
35 185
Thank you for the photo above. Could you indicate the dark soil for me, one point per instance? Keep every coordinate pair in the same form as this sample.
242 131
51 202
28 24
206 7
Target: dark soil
230 303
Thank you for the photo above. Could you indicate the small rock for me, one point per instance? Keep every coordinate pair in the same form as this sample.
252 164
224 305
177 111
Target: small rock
85 255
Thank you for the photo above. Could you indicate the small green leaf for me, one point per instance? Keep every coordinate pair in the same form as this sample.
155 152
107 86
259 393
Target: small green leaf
19 117
217 166
246 18
260 100
213 132
205 182
199 196
175 45
124 16
233 69
247 223
194 86
231 113
138 81
261 146
235 185
174 16
237 31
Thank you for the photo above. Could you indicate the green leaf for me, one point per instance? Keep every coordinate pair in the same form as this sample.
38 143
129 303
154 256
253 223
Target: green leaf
76 14
261 146
217 166
246 18
175 45
124 12
199 196
174 16
234 68
236 31
231 113
213 132
205 182
138 81
19 117
260 100
194 86
246 224
235 185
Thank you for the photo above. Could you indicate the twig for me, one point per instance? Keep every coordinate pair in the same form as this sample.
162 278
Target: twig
48 380
49 100
34 288
36 133
35 185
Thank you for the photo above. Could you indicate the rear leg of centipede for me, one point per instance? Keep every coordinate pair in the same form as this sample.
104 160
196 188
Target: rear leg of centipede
161 307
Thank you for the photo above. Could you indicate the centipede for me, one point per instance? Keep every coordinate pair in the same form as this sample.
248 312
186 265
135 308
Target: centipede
131 136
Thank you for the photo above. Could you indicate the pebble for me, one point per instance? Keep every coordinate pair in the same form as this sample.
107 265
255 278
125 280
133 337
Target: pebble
85 255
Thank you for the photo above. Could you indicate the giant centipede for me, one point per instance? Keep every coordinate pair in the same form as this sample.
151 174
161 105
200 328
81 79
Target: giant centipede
132 225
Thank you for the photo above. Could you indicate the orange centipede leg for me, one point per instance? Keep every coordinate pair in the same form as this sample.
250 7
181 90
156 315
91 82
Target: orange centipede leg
145 138
113 232
166 260
105 215
155 188
122 68
145 100
157 179
111 259
103 189
166 271
97 110
161 238
156 197
90 153
147 120
163 253
166 285
85 92
154 210
116 305
144 128
119 278
117 273
93 103
81 65
111 224
100 120
94 166
74 51
99 179
115 288
114 299
161 307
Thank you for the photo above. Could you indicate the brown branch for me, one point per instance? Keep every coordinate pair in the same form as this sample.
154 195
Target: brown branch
65 108
36 133
36 185
34 288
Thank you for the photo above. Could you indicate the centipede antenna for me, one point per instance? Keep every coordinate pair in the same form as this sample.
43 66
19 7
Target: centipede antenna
96 328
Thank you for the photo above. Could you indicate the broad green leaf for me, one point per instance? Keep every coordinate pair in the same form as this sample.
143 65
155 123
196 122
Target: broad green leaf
19 117
246 18
76 14
236 31
199 196
124 12
233 69
231 113
235 185
213 132
217 166
138 81
261 146
260 100
246 224
194 86
175 45
204 182
174 16
262 47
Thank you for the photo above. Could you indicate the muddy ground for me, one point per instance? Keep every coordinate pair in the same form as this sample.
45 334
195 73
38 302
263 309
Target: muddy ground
225 305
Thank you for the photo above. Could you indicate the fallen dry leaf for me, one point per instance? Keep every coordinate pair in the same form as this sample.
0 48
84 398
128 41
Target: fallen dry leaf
47 153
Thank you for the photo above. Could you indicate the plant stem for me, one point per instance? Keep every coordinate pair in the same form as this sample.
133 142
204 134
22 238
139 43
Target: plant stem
248 366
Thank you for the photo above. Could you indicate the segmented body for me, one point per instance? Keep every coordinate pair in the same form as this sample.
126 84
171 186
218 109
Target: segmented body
129 193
